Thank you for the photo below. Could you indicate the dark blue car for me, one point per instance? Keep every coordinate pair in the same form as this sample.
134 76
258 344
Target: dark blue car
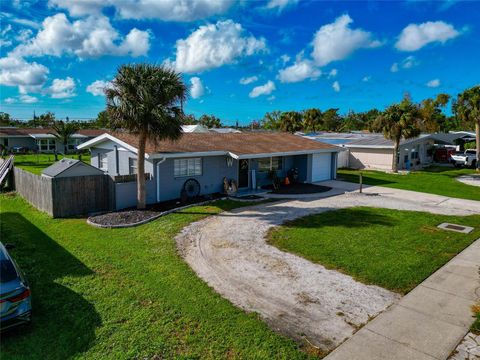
15 296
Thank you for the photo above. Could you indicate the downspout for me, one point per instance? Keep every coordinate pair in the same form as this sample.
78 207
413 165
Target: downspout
158 177
117 172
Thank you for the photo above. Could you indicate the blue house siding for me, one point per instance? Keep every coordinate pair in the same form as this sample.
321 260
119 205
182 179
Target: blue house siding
214 169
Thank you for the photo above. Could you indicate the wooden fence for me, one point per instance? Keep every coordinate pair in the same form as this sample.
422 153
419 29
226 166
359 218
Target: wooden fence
69 196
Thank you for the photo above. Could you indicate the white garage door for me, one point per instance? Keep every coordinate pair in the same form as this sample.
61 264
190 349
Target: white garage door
321 167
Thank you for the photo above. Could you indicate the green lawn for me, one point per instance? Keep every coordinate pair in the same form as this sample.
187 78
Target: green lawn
36 163
434 180
391 248
124 293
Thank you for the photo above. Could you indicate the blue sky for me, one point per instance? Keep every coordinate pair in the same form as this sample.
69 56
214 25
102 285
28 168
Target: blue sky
241 59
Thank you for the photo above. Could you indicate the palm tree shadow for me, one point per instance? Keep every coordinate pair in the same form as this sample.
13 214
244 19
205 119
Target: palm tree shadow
63 321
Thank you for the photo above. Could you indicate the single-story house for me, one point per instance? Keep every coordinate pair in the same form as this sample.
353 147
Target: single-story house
373 151
246 158
70 167
41 139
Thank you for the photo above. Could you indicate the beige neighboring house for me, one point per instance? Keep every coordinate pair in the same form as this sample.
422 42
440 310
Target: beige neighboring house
373 151
376 152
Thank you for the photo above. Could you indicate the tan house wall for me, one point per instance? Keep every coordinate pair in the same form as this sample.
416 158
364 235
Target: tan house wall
380 159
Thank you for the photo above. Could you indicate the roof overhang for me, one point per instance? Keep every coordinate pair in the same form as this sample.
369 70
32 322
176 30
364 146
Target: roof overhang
386 147
106 137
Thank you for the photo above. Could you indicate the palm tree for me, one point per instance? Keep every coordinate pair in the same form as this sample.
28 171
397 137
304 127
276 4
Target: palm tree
291 121
146 100
467 107
63 132
312 119
271 120
399 121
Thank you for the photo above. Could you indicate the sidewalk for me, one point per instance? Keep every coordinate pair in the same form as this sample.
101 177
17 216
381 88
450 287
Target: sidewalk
428 322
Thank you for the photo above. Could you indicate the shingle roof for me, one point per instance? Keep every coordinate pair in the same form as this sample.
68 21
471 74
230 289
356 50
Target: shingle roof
64 164
59 167
12 131
237 143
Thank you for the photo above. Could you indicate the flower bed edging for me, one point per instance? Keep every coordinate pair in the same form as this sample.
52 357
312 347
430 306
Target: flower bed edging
153 217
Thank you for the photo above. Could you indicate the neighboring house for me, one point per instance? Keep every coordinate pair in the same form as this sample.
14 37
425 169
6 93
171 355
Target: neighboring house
194 128
41 139
225 130
246 158
70 167
373 151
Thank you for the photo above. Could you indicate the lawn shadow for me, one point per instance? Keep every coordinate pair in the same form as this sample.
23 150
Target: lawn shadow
63 322
347 217
354 178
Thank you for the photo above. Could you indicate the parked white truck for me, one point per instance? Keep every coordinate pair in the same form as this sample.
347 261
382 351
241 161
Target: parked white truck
467 158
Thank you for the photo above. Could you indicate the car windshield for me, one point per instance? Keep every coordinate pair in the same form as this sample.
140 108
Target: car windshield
7 271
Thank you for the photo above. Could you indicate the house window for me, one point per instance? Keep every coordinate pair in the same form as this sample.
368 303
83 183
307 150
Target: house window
132 166
46 144
72 144
103 161
187 167
267 164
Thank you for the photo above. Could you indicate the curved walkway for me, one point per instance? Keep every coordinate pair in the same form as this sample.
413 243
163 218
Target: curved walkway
294 296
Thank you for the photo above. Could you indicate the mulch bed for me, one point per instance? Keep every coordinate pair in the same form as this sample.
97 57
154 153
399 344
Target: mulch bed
134 216
298 189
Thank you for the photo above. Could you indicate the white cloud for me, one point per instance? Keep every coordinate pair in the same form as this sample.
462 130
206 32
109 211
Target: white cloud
9 100
27 99
89 37
407 63
280 4
336 41
336 86
172 10
433 83
248 80
265 89
80 7
333 73
23 35
366 78
62 88
214 45
167 10
416 36
12 18
98 87
197 90
285 58
271 98
15 71
299 71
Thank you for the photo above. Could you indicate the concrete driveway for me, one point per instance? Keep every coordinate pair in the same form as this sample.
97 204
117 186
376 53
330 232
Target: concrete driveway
294 296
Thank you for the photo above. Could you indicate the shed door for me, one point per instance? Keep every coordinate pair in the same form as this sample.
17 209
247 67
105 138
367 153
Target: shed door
321 167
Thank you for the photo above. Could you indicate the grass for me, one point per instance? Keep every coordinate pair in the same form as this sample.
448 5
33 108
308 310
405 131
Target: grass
391 248
36 163
476 324
438 180
124 293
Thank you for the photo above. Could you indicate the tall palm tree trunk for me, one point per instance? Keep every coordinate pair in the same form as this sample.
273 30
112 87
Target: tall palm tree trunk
396 145
141 171
477 140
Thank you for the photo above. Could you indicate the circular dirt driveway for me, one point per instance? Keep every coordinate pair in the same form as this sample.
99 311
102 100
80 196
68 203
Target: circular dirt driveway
294 296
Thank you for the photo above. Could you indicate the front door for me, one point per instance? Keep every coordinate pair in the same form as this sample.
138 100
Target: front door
243 173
